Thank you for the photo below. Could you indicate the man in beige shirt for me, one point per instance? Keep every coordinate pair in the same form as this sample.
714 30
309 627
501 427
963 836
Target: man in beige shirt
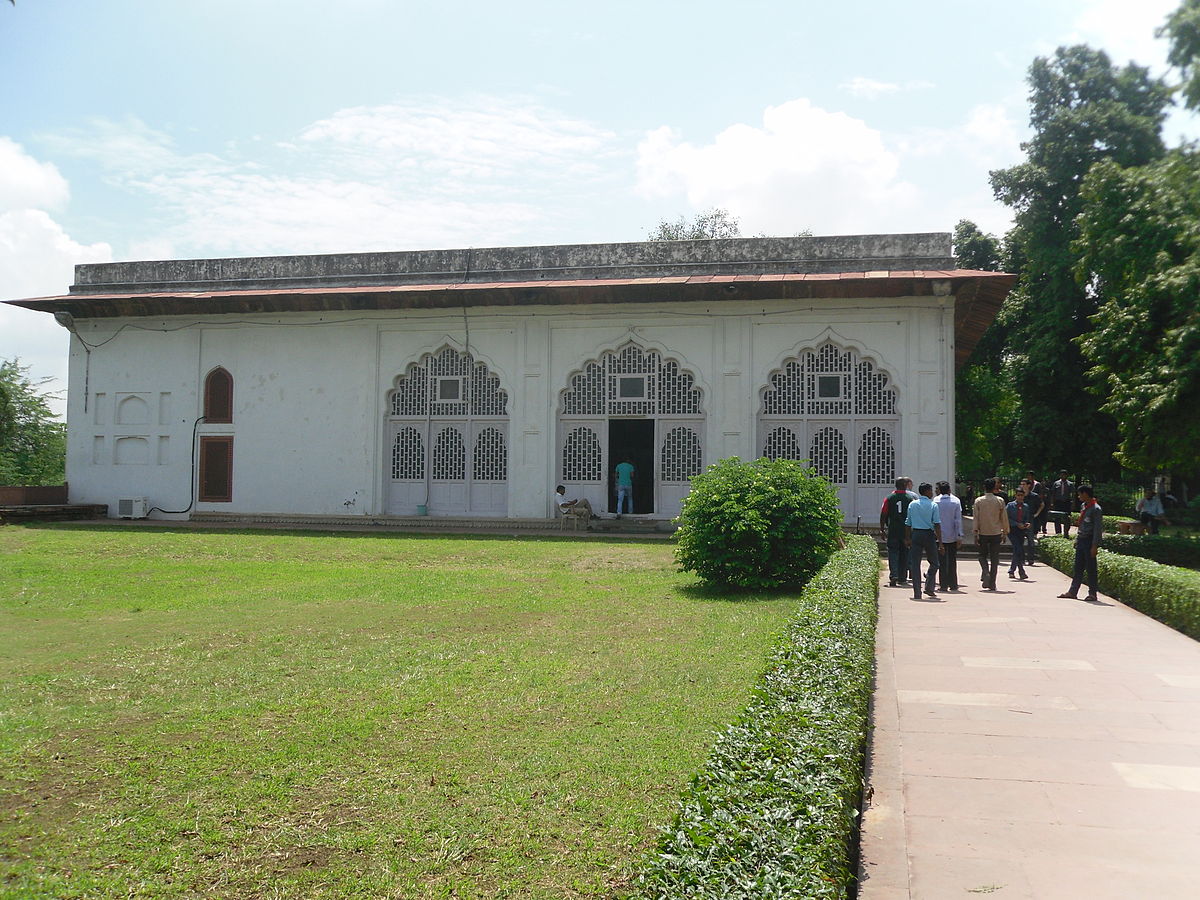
991 525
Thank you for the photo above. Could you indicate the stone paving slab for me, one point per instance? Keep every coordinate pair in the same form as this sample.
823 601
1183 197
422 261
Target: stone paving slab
1025 746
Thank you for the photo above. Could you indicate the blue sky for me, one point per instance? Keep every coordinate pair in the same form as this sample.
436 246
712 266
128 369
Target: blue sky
151 129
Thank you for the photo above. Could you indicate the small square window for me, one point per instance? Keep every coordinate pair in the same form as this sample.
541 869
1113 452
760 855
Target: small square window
829 387
631 387
449 389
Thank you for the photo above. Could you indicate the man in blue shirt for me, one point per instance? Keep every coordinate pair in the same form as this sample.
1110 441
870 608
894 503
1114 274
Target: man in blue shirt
923 535
624 473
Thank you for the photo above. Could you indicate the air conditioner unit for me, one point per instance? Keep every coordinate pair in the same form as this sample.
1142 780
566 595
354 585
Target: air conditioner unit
131 508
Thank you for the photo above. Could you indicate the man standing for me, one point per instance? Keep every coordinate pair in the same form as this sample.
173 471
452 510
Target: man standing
1062 492
1087 544
891 528
1020 521
991 525
624 473
923 535
950 511
1033 500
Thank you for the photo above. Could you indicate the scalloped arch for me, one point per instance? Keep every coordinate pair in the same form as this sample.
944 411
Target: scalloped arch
435 351
431 350
610 348
839 342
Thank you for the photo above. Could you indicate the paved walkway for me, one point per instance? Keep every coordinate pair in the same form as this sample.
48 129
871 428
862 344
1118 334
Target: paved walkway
1026 746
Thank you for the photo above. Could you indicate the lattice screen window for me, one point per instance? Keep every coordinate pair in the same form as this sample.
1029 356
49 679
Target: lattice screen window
596 391
872 396
585 396
449 456
829 456
678 393
781 443
680 457
479 391
876 458
490 458
828 382
581 456
408 455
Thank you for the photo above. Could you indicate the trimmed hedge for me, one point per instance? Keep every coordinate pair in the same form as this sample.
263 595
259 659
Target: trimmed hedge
1166 593
1167 549
774 812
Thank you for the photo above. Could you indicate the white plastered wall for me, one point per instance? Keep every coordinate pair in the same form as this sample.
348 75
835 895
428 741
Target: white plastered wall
310 390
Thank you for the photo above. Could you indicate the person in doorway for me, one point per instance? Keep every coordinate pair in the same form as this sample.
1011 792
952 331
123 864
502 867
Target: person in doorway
923 535
1062 495
891 529
1150 511
950 511
624 473
566 504
1087 544
1020 521
991 525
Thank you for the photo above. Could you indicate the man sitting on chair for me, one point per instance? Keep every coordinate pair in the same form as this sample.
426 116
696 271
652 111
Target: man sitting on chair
579 507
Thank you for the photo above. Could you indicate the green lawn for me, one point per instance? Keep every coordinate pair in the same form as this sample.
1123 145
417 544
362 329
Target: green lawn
286 714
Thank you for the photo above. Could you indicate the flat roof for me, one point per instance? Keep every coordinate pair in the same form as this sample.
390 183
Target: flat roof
977 295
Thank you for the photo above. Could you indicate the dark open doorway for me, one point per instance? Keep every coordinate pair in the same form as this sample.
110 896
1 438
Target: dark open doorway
632 439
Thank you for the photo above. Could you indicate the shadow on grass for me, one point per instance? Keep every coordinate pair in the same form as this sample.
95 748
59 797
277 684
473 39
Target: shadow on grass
711 592
381 533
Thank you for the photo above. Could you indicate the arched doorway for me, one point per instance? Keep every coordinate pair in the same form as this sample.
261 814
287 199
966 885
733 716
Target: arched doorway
838 411
631 403
447 439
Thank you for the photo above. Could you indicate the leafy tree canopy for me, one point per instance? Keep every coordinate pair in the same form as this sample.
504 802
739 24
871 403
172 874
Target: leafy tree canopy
1140 246
32 440
714 223
974 249
1182 30
1083 110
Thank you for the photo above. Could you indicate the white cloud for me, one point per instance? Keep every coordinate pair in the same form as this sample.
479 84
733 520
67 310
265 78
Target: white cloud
1125 29
870 89
804 167
987 139
410 175
27 183
37 258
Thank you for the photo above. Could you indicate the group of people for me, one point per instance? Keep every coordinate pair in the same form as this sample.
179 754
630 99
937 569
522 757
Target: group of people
917 526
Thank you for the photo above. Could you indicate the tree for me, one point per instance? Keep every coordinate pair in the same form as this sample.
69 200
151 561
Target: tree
985 400
1139 247
32 440
714 223
1182 30
975 250
1083 110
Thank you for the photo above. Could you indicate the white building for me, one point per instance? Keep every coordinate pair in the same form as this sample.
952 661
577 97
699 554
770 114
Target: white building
471 382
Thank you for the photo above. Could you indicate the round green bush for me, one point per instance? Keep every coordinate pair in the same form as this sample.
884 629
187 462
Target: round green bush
762 524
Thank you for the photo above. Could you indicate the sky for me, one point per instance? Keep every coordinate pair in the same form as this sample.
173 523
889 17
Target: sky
162 129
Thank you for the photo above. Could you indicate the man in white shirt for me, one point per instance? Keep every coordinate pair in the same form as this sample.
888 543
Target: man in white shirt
1150 511
573 507
950 509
